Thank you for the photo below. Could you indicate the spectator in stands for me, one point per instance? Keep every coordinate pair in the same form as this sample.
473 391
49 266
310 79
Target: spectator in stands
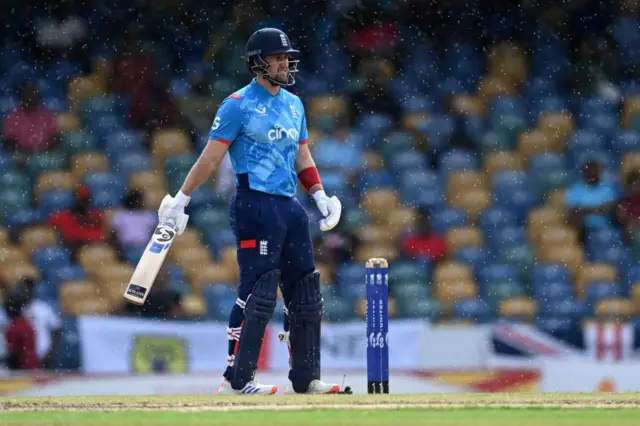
132 225
162 301
30 127
590 200
628 209
82 224
424 243
45 321
20 336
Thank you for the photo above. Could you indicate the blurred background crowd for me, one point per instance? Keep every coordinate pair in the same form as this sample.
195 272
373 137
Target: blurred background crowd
489 150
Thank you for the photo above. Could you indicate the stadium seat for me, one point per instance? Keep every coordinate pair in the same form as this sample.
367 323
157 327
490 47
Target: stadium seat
11 273
37 163
461 181
86 162
476 309
68 122
557 127
596 291
521 308
449 292
373 234
626 142
570 257
474 256
211 274
55 201
614 308
555 236
193 305
401 220
54 180
457 160
37 236
94 257
168 142
473 202
429 309
500 161
590 272
103 181
387 251
78 141
448 218
543 273
50 257
460 237
379 202
146 179
552 291
452 271
116 272
497 272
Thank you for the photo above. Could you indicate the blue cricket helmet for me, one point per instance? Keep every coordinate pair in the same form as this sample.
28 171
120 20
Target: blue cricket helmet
266 42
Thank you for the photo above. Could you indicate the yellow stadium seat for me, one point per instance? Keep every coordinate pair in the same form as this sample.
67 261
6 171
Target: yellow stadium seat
153 197
366 252
113 290
373 234
467 104
520 307
4 237
168 142
614 307
191 255
37 236
68 122
591 272
12 255
493 86
557 199
14 272
557 126
379 202
95 257
452 271
54 180
326 105
571 257
534 142
193 305
555 236
463 236
508 60
116 272
189 238
210 273
414 120
82 298
81 88
630 108
449 292
373 160
496 162
473 202
462 181
146 179
630 163
543 218
85 162
635 295
229 256
400 220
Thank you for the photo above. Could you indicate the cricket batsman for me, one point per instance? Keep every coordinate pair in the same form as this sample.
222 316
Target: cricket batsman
264 129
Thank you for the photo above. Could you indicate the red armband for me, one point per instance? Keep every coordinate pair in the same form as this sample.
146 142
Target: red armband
309 177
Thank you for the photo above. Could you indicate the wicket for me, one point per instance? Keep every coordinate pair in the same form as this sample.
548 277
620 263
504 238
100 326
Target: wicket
377 282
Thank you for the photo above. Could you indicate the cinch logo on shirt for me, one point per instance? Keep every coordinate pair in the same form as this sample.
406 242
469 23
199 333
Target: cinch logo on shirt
277 133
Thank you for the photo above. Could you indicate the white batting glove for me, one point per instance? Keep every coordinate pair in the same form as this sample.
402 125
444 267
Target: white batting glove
331 209
172 211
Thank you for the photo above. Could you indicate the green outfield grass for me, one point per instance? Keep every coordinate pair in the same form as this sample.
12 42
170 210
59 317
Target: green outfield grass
370 410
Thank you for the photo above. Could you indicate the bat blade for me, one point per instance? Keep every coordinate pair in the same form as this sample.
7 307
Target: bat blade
149 264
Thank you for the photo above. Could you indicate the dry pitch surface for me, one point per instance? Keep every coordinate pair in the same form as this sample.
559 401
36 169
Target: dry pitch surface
371 410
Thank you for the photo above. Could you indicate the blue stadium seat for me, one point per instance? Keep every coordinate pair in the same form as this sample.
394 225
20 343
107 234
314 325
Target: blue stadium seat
105 125
6 161
596 291
407 160
626 142
550 104
605 125
431 198
568 308
509 179
560 327
507 237
584 141
544 163
103 181
605 237
448 218
543 273
133 254
495 218
348 274
496 272
123 141
475 309
23 217
438 128
631 275
475 257
50 258
374 126
128 163
201 198
55 201
107 198
457 160
617 256
420 179
595 105
375 179
506 105
418 103
553 291
352 291
57 276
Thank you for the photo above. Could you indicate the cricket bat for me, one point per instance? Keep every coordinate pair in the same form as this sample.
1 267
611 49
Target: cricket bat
150 263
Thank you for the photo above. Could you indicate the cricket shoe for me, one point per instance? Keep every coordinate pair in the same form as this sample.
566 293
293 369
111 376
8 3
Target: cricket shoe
252 387
316 387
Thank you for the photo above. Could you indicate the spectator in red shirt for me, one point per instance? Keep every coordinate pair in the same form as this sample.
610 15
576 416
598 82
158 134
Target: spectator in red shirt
21 338
31 127
425 243
628 211
82 224
133 68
